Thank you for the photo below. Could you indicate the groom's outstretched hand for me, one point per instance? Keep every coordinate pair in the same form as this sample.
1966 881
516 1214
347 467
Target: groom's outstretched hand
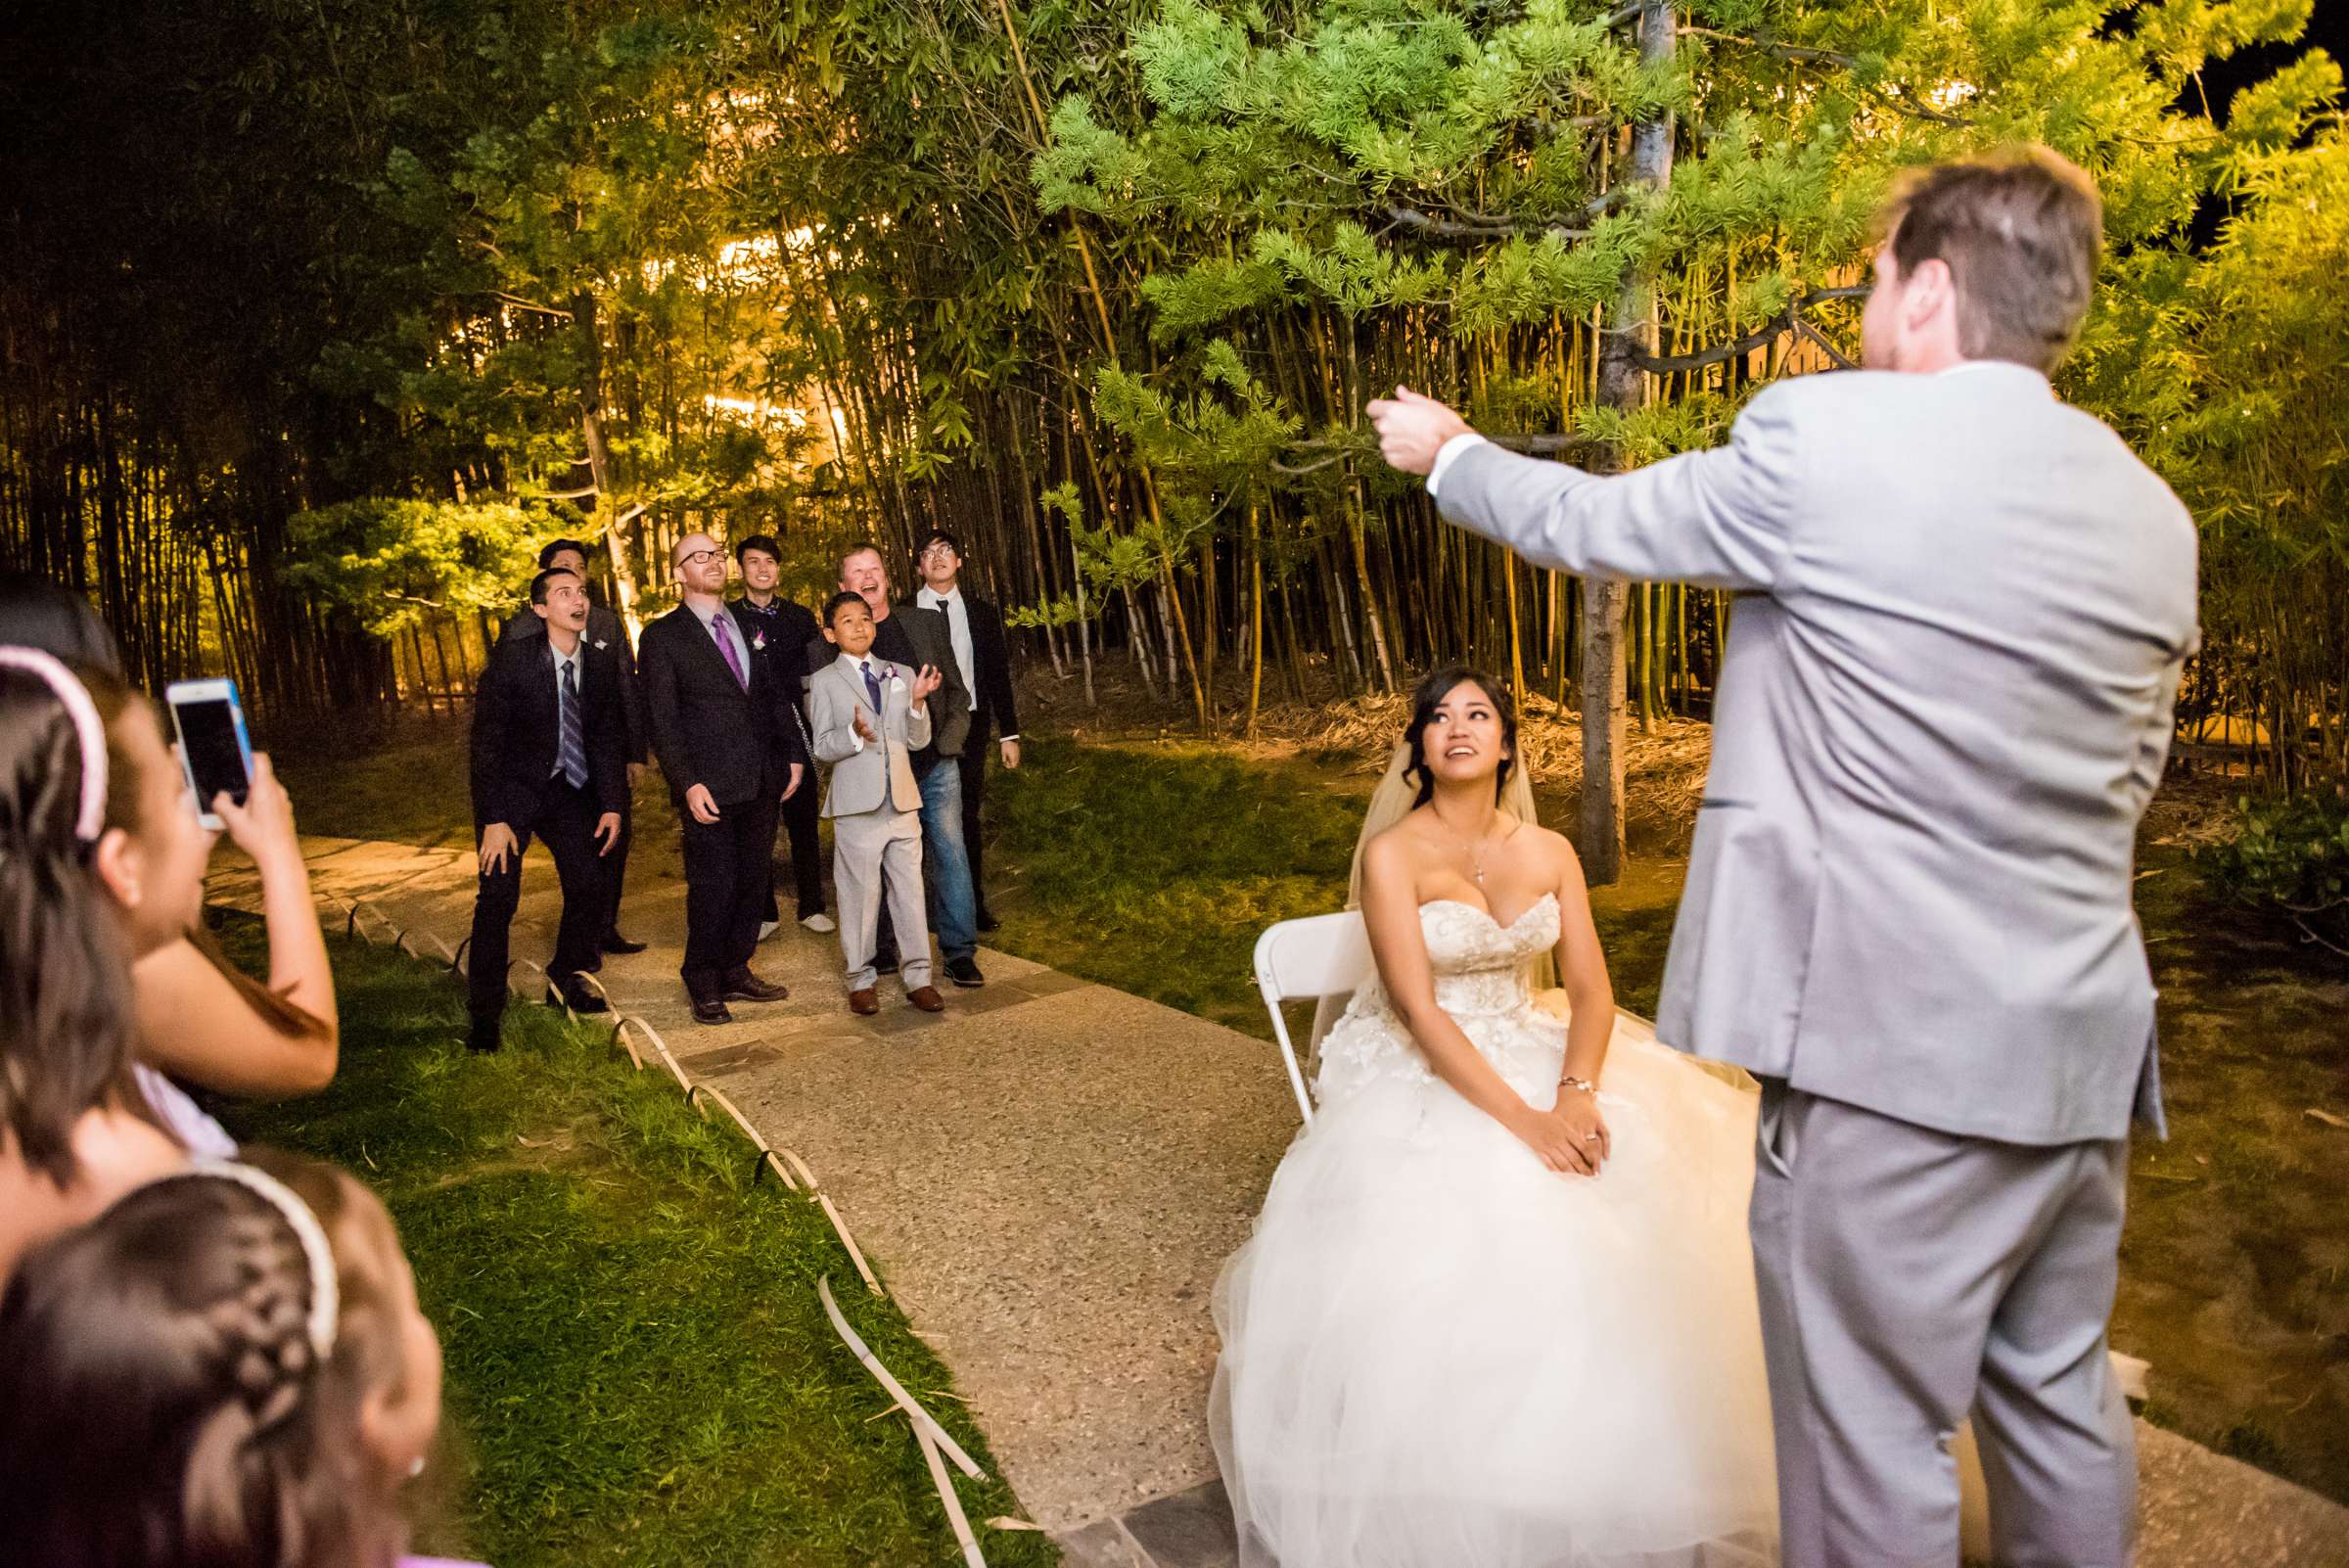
1412 429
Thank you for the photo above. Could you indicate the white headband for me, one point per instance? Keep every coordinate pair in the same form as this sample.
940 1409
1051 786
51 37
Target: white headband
88 729
325 1293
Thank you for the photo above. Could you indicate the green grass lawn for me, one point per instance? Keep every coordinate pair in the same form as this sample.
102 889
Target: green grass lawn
639 1370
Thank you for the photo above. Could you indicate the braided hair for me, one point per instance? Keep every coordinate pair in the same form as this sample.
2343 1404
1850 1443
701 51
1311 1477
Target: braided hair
166 1404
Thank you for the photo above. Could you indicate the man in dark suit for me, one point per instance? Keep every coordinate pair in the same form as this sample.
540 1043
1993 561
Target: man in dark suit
731 752
911 635
779 632
983 655
547 729
604 631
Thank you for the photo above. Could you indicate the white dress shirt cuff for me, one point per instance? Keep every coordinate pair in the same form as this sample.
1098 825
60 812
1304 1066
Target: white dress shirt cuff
1445 454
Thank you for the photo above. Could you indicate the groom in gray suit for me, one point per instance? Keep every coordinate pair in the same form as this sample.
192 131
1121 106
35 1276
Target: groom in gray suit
1944 700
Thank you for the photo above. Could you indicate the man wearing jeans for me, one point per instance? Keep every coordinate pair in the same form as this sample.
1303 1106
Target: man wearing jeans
914 636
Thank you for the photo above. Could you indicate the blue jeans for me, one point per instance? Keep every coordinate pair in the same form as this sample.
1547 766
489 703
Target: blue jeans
953 902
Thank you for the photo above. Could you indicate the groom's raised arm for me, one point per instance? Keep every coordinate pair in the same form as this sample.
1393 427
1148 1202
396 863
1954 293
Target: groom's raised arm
1719 519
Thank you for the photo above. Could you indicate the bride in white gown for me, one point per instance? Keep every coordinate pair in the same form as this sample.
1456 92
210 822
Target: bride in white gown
1497 1311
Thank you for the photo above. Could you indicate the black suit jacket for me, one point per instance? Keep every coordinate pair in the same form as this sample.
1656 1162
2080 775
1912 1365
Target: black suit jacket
932 642
786 629
995 708
602 627
516 730
707 730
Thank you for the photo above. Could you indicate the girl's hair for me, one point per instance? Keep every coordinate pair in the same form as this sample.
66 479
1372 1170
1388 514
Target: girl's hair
68 1026
165 1406
1433 690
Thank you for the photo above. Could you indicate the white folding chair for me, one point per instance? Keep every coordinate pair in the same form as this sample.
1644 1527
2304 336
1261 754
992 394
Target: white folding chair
1320 955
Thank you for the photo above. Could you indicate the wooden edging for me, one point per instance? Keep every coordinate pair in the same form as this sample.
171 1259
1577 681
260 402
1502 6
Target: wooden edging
922 1419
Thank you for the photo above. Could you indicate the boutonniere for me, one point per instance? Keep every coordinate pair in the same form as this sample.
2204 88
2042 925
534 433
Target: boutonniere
897 682
758 639
601 644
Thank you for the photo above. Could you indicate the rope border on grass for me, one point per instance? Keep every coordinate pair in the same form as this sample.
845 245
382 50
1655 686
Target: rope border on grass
936 1444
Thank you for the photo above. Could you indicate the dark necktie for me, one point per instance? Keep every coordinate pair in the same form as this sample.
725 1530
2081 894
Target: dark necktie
872 687
571 755
725 645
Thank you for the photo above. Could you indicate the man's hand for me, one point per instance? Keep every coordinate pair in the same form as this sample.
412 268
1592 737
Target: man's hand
865 730
1412 429
497 841
793 787
702 806
928 680
1011 756
607 828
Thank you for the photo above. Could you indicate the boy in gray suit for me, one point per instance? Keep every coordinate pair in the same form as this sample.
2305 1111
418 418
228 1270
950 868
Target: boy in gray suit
869 716
1945 699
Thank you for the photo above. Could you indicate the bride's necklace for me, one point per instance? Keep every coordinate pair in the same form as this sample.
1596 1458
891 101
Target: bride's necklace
1474 848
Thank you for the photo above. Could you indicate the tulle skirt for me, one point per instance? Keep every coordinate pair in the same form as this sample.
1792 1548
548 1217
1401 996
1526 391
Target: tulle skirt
1437 1353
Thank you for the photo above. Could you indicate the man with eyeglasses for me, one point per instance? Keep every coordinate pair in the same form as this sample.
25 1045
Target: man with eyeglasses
983 657
731 751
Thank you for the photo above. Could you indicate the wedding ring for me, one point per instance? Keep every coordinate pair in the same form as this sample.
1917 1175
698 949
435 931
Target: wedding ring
1590 1138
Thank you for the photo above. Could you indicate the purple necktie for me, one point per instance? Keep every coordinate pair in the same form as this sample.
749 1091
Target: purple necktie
725 645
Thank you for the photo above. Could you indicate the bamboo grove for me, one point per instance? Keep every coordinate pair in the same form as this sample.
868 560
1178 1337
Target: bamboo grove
322 313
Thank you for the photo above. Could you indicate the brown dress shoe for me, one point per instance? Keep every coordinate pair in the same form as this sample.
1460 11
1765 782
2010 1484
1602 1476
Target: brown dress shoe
743 986
864 1003
927 999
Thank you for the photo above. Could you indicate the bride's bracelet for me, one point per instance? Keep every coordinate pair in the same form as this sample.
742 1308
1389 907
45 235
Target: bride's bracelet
1582 1083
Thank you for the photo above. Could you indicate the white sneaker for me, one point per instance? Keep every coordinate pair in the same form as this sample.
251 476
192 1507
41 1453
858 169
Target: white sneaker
767 927
821 923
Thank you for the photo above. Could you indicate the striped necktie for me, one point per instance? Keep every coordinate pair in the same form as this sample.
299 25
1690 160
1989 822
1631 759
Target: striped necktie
571 755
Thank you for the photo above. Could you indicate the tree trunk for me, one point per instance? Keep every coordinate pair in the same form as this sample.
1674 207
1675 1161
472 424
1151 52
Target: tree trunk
1622 385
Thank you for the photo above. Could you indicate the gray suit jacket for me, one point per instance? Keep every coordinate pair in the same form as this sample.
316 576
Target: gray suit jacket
866 776
1944 700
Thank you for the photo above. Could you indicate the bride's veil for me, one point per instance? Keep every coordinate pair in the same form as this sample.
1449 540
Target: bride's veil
1390 804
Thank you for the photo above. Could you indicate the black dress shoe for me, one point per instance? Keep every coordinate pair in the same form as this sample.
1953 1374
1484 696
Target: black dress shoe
987 923
711 1010
578 999
613 942
743 986
482 1035
964 972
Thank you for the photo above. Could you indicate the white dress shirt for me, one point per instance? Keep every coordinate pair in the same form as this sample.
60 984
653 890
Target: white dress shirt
959 631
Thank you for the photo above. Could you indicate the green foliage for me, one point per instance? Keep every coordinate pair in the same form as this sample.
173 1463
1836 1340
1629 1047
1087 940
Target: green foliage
388 561
2289 858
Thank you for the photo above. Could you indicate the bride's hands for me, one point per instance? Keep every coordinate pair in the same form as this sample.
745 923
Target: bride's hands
1572 1138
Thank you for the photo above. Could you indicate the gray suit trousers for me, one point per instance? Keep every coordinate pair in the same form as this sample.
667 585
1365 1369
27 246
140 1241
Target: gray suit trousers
1910 1277
877 855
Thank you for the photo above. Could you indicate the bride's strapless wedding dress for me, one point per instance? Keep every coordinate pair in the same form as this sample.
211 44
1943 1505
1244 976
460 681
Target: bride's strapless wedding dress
1439 1354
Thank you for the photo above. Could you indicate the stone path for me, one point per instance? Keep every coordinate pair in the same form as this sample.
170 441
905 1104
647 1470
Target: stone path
1048 1176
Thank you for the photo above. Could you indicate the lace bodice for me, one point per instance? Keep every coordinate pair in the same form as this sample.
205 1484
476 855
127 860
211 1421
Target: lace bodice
1483 976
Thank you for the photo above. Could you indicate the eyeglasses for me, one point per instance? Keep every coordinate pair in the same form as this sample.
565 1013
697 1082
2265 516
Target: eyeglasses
940 552
697 557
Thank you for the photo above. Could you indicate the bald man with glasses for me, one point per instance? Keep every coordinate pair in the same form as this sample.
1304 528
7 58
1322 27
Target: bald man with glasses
723 732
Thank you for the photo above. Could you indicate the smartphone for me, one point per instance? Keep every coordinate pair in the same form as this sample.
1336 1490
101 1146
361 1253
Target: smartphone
214 748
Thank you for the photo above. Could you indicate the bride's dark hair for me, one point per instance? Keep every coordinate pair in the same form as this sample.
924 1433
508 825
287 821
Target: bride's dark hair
1433 690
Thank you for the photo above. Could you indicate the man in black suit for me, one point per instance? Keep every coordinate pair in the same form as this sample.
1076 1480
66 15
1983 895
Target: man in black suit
911 635
731 752
779 632
983 655
547 730
604 631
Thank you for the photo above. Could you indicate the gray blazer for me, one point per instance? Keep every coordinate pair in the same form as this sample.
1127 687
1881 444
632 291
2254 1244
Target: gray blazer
1944 700
866 776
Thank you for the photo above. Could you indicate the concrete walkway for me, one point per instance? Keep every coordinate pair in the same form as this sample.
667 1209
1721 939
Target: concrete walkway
1048 1176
